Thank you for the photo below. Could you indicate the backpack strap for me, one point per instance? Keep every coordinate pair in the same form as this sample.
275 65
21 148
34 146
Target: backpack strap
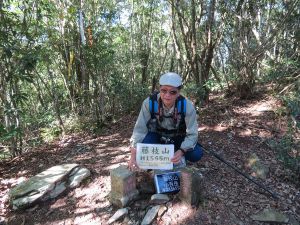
181 109
181 106
153 104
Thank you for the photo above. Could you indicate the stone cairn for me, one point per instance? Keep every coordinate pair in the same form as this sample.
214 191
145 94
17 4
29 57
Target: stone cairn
124 191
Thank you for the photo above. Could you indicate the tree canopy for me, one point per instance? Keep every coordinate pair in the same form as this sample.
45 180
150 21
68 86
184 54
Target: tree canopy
71 65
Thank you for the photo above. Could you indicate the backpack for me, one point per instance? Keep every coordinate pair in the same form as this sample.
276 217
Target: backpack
155 108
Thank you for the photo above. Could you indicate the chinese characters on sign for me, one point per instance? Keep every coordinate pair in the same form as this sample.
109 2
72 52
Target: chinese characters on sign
167 182
154 156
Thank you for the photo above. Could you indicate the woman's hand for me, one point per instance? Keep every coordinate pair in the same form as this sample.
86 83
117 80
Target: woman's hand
177 156
132 162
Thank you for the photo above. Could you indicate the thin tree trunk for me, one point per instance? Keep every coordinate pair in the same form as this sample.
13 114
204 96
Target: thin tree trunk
56 105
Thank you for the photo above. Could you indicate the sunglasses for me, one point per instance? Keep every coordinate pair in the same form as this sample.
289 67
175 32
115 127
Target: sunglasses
172 92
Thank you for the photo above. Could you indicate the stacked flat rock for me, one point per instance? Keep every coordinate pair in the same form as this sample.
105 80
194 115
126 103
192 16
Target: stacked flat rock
47 185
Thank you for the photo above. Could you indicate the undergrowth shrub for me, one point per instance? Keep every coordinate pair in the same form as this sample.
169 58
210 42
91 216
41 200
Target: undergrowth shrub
288 151
194 92
285 77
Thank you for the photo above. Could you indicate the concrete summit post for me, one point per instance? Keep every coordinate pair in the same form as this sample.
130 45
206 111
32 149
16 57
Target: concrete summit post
191 186
123 186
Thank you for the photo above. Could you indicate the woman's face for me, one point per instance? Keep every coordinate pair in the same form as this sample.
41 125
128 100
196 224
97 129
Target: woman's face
168 95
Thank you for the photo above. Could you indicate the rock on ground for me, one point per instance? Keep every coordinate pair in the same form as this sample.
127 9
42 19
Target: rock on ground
46 185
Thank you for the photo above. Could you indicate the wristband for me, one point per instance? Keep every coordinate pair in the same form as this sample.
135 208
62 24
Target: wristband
183 151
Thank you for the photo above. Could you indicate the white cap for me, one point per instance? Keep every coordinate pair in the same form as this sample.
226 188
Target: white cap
170 79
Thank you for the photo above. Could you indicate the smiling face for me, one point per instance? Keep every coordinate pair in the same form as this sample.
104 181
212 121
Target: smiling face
168 95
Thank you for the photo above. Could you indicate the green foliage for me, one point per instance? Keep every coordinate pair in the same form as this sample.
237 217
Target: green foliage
213 85
120 91
9 133
194 91
49 134
4 154
286 77
292 103
48 74
281 71
288 151
75 123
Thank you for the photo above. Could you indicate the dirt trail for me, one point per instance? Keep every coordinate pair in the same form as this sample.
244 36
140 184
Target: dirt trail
234 129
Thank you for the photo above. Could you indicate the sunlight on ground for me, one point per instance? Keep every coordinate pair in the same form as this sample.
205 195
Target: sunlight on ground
101 145
115 165
245 133
59 204
8 184
85 219
217 127
118 149
111 137
93 196
118 158
23 172
259 108
182 211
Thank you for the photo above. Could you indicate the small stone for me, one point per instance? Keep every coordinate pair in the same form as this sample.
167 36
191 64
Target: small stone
162 210
169 204
258 168
126 220
158 199
118 215
150 216
77 176
271 216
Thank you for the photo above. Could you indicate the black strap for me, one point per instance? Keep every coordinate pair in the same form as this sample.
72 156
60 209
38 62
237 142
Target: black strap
153 99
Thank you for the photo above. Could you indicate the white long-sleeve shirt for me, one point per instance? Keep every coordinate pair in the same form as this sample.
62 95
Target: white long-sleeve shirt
140 129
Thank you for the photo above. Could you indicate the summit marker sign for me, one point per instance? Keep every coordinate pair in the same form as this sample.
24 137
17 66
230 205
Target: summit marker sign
155 156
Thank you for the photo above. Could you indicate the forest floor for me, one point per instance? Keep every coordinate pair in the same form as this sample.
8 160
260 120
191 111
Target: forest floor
233 128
